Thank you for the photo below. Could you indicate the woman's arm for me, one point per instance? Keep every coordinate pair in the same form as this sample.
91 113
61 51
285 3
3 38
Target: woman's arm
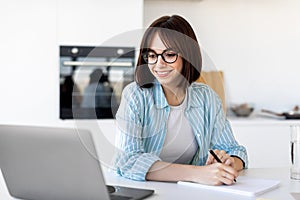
223 139
213 174
132 158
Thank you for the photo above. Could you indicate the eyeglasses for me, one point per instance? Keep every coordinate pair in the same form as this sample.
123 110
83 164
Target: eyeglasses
168 55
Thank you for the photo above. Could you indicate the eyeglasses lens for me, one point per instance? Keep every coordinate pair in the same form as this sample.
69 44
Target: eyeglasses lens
168 56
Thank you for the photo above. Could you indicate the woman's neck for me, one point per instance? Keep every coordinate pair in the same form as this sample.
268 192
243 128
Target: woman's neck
174 96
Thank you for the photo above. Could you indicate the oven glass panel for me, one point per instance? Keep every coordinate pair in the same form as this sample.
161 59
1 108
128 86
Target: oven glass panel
92 80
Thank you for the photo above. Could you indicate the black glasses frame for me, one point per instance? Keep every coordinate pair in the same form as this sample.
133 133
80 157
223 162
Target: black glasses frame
145 56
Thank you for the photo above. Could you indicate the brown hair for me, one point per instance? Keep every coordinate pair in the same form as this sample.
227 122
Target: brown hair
176 33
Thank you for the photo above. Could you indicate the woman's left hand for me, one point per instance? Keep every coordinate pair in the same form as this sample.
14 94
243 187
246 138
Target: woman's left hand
223 156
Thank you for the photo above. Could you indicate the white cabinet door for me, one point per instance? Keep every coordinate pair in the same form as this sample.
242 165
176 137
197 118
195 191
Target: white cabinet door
267 145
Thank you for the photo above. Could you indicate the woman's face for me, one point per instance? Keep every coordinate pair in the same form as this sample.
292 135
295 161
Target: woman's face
167 74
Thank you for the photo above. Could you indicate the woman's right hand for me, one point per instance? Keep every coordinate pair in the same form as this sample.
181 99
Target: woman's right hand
214 174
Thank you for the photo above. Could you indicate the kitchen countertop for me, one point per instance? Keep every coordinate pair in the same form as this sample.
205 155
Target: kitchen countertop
261 119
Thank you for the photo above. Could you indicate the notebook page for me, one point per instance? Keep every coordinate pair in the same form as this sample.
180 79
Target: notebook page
246 186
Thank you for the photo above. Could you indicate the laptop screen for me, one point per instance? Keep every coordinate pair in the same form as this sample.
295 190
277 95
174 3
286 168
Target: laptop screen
50 163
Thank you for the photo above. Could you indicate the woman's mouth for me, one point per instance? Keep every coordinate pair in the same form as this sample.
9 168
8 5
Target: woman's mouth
163 74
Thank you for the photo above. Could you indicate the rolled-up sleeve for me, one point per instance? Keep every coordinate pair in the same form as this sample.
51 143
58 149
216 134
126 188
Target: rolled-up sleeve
224 139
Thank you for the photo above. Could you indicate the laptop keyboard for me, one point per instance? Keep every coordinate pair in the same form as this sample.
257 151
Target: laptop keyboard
111 190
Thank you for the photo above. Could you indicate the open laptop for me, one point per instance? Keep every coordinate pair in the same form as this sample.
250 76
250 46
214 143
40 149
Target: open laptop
43 163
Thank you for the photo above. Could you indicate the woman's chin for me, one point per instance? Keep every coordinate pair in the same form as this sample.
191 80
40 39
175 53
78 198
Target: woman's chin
164 81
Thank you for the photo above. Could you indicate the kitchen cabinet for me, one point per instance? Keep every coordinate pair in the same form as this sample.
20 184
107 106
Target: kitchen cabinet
267 140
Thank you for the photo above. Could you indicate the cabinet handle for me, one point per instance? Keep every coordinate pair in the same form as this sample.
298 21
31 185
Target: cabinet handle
78 63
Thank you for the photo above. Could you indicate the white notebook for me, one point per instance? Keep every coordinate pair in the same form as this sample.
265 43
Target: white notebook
246 186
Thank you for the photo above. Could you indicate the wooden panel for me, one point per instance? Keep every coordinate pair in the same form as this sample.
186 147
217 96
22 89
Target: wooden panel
215 80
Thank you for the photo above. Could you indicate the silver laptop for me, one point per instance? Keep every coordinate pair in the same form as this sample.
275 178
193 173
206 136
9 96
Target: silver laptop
43 163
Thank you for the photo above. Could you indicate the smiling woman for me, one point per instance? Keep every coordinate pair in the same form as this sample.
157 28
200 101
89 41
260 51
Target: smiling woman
166 121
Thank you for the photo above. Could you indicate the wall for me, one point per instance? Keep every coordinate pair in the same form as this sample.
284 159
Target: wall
31 33
29 71
256 43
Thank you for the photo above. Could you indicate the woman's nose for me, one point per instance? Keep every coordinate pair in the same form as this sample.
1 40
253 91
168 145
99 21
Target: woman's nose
160 60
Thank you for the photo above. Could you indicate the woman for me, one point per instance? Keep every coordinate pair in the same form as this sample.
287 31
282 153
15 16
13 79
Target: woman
166 122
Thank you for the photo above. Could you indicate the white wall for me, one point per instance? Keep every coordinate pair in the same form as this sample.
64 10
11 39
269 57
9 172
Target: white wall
31 32
93 22
256 43
29 71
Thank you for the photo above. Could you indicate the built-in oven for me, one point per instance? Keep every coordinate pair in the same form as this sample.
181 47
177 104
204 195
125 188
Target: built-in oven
92 79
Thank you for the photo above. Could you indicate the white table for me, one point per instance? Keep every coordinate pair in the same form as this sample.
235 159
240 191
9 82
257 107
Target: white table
171 191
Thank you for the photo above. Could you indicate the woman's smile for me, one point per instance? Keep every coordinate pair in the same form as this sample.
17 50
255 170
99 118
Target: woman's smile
163 73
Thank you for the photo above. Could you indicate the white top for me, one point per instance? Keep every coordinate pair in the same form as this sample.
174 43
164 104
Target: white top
180 144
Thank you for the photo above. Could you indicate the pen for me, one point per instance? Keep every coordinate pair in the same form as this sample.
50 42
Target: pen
217 158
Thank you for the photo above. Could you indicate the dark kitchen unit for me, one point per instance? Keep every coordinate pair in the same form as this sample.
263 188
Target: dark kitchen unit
92 79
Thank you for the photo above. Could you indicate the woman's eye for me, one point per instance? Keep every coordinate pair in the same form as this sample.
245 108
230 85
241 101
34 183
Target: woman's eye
170 54
151 56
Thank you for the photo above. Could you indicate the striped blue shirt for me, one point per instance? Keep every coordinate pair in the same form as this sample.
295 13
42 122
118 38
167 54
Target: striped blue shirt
142 125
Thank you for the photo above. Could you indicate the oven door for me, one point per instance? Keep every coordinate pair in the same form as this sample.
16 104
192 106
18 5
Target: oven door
92 80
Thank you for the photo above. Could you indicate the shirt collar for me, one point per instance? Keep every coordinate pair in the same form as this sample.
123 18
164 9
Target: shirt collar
161 101
193 97
159 97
